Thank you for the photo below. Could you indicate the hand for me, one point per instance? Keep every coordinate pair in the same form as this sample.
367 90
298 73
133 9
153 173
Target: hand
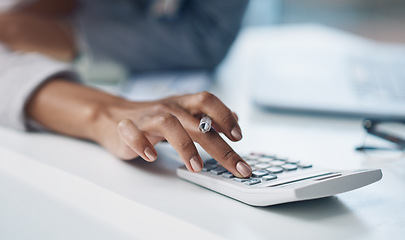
32 33
131 129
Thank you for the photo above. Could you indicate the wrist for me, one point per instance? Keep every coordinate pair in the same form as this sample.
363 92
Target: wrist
71 109
103 118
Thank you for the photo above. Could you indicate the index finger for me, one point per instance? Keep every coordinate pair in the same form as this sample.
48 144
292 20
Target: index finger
223 153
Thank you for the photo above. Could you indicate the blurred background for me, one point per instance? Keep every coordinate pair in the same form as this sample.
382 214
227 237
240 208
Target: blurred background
377 19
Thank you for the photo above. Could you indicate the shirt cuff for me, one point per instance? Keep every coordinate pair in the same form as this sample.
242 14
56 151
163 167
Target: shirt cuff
22 75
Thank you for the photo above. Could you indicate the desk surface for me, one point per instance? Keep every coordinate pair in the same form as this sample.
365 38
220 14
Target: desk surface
71 188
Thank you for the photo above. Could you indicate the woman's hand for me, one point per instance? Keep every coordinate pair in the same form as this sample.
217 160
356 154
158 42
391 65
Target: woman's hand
131 129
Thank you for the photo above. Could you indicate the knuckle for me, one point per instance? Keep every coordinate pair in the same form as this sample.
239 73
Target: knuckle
136 138
164 107
228 155
167 119
206 97
161 107
227 118
186 146
122 123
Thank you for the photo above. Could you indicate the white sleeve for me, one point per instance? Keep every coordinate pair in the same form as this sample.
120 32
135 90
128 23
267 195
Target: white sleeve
20 75
7 5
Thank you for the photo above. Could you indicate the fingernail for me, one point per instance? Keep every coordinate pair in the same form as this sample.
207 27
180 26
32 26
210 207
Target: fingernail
150 154
236 133
195 164
243 169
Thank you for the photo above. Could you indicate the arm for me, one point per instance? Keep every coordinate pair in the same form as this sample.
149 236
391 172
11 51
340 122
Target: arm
131 129
38 88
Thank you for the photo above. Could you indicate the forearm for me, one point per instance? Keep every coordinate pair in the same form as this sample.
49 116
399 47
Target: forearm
69 108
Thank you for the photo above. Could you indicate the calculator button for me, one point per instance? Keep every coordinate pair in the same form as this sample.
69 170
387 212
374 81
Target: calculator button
218 170
289 167
253 181
277 162
241 180
252 162
281 158
262 165
209 167
259 173
256 154
293 161
275 170
264 159
211 161
227 175
246 157
304 165
273 156
269 177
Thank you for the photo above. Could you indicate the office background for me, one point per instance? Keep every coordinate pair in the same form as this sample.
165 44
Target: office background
376 19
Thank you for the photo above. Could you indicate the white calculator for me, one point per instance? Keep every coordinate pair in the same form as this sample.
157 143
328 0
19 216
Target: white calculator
278 180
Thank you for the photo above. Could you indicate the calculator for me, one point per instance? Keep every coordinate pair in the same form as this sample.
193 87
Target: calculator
277 180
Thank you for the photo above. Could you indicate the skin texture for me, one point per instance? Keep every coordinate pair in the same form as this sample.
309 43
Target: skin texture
131 129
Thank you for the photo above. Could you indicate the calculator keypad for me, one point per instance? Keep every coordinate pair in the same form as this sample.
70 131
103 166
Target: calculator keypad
265 168
253 181
218 170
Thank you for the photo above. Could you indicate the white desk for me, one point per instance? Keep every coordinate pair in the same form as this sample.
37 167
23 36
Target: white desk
72 189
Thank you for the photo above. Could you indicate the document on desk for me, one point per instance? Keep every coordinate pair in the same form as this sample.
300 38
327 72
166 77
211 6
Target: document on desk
317 69
153 86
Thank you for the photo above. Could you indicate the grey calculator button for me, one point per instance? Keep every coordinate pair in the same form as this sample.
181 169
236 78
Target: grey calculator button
252 181
262 165
256 154
275 170
264 159
211 161
241 180
304 165
277 162
218 170
282 158
259 173
251 162
245 158
250 157
209 167
269 177
289 167
293 161
227 175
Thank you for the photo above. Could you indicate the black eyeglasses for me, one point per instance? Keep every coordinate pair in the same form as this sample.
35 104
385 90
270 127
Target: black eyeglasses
390 129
